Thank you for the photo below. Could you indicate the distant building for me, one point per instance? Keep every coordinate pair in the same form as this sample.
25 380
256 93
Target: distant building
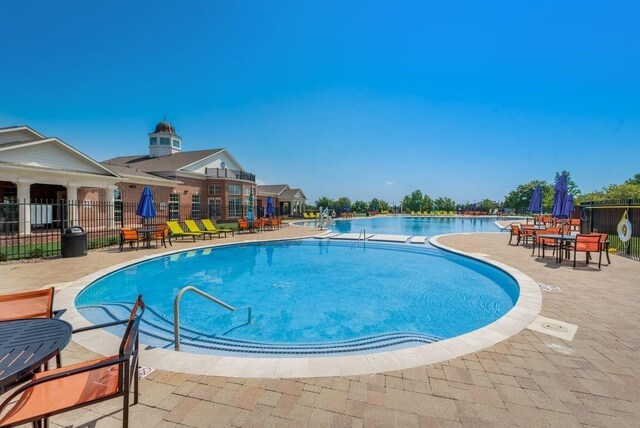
287 201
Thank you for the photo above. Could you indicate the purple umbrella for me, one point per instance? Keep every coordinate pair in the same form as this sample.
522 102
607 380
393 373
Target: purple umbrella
567 207
269 206
535 204
560 197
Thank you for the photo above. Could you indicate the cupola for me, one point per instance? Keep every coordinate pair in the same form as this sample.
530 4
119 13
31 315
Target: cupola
163 140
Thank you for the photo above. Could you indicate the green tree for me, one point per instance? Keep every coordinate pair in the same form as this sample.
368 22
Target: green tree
444 204
383 205
486 205
325 202
342 204
622 191
427 203
634 180
359 207
518 199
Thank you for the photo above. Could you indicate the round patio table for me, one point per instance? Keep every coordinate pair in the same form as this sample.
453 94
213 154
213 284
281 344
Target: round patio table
27 344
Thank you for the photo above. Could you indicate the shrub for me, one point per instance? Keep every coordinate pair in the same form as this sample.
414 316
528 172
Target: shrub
36 253
3 257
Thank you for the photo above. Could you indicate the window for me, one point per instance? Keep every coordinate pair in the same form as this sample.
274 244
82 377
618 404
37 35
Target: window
214 189
174 206
215 208
164 141
153 141
195 207
235 207
246 190
235 189
176 143
117 205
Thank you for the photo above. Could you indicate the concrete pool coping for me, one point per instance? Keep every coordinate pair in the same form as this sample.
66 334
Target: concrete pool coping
519 317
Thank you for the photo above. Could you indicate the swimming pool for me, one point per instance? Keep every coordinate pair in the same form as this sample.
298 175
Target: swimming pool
404 225
307 297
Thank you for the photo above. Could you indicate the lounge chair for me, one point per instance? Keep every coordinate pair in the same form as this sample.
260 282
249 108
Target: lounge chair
306 215
193 228
30 304
176 230
210 227
68 388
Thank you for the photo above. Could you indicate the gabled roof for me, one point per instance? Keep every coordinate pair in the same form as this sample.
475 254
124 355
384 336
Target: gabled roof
135 175
272 189
21 128
292 194
171 162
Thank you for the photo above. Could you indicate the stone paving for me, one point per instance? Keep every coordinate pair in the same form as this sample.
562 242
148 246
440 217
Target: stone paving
531 379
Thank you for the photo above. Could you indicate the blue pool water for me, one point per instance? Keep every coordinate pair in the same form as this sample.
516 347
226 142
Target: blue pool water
307 296
402 225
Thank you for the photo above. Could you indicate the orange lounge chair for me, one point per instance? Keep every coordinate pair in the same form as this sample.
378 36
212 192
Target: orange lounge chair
68 388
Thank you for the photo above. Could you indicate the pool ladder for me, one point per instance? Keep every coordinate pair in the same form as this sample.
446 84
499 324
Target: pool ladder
176 310
362 235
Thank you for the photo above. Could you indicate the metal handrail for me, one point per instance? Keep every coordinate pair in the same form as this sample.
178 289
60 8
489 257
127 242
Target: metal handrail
363 234
176 310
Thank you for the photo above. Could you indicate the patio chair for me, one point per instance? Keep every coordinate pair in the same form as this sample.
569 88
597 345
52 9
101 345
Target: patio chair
30 304
243 225
588 244
176 230
210 227
604 244
162 236
515 231
543 243
275 223
130 236
193 227
68 388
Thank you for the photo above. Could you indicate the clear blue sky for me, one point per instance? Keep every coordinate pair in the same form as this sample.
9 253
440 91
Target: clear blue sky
364 99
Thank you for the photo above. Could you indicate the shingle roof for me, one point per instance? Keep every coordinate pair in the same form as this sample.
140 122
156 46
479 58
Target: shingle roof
127 171
172 162
272 188
290 194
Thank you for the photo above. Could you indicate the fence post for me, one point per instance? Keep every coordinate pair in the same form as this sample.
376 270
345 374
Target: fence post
628 251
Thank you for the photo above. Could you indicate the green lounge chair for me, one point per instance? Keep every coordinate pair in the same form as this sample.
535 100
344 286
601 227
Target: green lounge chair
193 228
176 230
210 227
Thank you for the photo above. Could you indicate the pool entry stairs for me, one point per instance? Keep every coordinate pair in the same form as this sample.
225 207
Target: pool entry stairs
377 237
158 331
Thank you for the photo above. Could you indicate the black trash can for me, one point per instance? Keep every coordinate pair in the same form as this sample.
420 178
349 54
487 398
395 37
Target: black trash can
74 242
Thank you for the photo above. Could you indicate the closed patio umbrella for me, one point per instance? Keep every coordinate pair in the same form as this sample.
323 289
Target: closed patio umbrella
567 207
535 204
270 206
560 196
146 207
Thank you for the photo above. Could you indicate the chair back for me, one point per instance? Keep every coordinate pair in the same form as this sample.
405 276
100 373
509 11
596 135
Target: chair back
588 243
242 224
130 337
515 229
175 227
208 225
566 229
603 238
192 226
29 304
162 232
129 234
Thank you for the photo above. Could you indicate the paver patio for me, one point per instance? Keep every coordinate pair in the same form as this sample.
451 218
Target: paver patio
531 379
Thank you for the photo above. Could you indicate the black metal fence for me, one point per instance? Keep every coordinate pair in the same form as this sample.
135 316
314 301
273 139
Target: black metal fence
31 230
606 217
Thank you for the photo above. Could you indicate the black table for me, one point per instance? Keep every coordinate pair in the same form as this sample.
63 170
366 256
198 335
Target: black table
562 239
146 234
25 345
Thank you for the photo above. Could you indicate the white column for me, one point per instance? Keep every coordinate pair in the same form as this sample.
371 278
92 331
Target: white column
72 208
111 212
24 204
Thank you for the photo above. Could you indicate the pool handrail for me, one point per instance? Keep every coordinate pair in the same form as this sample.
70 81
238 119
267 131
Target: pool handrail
176 310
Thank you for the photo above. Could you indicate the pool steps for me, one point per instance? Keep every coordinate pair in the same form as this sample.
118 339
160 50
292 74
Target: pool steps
379 237
157 332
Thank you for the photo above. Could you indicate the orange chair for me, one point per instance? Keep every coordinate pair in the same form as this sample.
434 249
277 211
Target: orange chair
527 234
29 304
274 223
543 243
588 244
243 225
604 244
162 236
129 236
68 388
515 231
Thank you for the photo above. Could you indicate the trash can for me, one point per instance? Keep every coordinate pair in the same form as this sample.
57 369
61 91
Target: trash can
74 242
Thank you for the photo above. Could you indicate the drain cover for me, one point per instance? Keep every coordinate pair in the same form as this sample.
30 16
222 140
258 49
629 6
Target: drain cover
555 327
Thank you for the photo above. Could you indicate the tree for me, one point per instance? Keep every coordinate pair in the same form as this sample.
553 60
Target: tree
571 185
427 203
359 207
518 199
622 191
383 205
325 202
343 204
486 205
634 180
444 204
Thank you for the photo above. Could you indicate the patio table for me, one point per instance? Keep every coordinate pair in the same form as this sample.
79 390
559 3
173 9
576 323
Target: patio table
27 344
563 239
146 233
